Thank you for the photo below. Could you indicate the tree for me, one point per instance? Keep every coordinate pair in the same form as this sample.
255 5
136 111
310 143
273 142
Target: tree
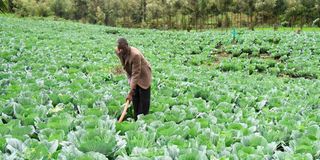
308 12
250 10
170 10
32 7
279 9
137 15
3 6
61 8
110 9
191 8
143 9
317 13
265 9
177 7
133 13
212 9
80 9
6 6
203 11
295 11
224 7
100 16
10 5
93 9
237 8
43 8
154 9
185 14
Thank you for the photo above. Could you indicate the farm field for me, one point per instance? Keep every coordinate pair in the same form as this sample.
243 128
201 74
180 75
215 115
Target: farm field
62 89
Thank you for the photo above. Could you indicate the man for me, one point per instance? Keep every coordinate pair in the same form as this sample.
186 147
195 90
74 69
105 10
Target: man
139 76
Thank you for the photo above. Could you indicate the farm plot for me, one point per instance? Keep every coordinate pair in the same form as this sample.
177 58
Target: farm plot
62 90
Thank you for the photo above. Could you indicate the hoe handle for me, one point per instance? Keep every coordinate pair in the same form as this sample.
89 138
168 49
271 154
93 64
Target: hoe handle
124 112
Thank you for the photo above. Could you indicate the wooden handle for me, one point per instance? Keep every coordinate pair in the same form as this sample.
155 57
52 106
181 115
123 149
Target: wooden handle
124 112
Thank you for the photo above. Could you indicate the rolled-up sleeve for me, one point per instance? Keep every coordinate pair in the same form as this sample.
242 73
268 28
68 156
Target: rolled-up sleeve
136 70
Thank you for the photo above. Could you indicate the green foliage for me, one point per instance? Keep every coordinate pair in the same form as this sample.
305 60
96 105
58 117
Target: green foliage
185 14
126 126
51 134
97 140
16 130
2 144
3 6
139 140
32 8
212 98
63 121
31 149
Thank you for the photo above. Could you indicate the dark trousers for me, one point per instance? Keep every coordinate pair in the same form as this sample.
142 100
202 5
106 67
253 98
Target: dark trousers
141 101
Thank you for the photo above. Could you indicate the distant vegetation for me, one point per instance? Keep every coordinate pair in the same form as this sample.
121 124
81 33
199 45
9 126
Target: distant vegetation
174 14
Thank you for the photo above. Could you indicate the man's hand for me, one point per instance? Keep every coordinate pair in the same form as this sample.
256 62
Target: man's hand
130 96
117 50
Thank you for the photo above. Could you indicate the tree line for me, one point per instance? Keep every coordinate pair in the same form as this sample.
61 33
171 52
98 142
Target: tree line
174 14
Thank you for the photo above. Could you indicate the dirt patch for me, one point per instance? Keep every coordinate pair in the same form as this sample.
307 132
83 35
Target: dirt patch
223 55
219 57
265 56
268 56
285 75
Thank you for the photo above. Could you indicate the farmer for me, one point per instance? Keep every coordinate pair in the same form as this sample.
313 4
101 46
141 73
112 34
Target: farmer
139 76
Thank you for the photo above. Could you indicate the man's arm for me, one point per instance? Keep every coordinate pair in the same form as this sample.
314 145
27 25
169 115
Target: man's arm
136 70
118 52
129 78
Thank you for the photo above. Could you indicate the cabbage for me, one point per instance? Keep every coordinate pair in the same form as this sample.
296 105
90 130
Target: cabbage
61 92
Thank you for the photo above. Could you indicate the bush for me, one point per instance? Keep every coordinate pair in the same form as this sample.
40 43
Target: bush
62 8
23 8
33 8
285 24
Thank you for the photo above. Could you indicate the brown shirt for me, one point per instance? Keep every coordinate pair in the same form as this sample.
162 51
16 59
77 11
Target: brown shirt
137 68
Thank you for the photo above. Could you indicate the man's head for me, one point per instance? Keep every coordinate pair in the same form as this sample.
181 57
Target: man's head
122 43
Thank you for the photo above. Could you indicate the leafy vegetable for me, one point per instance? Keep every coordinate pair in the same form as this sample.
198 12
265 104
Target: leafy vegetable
62 88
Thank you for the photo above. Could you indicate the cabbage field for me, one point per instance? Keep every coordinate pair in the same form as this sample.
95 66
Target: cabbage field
62 90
